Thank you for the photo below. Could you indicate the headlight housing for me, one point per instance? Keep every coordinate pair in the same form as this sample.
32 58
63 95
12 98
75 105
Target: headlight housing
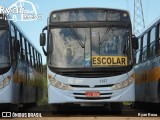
58 84
5 82
124 83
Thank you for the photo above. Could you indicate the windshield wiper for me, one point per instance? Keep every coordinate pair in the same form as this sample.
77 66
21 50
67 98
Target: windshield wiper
105 35
76 36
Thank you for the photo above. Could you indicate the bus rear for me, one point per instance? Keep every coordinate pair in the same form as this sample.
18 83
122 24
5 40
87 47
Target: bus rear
89 57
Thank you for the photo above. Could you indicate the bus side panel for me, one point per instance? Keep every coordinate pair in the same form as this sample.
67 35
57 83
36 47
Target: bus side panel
153 77
16 86
28 84
140 83
39 85
29 89
147 76
21 80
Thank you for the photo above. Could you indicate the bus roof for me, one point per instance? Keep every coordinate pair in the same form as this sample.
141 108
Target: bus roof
85 8
155 21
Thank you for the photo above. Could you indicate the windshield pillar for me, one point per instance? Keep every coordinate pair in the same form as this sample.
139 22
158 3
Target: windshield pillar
4 49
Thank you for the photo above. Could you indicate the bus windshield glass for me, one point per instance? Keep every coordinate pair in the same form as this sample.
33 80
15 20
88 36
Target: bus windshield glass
89 47
4 48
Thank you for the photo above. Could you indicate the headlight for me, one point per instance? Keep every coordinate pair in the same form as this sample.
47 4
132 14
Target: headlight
124 83
5 82
58 84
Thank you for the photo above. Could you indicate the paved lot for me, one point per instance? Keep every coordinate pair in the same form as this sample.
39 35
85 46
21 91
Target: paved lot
87 113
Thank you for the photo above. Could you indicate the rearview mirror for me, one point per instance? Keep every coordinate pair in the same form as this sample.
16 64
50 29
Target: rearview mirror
135 43
42 39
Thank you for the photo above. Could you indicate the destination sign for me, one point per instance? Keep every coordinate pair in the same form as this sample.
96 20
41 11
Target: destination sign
109 61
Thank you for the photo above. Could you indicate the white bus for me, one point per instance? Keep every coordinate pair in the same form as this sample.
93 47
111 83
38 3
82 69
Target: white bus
89 57
147 68
20 67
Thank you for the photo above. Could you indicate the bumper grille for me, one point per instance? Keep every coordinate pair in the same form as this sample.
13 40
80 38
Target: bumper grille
92 98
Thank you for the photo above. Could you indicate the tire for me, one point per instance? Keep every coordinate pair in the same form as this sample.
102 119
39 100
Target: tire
29 105
158 92
57 108
116 107
10 107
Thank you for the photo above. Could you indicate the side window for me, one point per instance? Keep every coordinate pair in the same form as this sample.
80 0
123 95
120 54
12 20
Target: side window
28 55
18 36
34 58
158 40
144 54
12 31
31 53
152 35
23 47
139 51
152 42
137 57
152 50
145 40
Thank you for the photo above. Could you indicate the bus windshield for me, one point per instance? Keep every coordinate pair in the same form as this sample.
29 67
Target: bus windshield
76 47
4 48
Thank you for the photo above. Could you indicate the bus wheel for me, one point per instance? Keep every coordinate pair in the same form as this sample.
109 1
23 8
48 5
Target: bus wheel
158 92
116 107
27 106
14 107
57 108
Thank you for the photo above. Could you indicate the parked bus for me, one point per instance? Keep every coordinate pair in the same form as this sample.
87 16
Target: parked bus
147 69
89 57
20 66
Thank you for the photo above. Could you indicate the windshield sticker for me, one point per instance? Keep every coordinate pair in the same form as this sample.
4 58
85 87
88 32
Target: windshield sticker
109 61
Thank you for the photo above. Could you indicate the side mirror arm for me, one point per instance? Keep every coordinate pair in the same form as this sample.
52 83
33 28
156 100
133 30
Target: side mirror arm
44 51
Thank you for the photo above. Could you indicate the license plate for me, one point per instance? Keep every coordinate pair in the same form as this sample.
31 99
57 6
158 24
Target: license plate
92 94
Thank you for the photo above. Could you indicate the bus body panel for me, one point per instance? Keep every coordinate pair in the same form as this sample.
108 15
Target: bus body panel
56 95
147 81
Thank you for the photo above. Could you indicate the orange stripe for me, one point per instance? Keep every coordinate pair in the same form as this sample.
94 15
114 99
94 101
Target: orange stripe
151 75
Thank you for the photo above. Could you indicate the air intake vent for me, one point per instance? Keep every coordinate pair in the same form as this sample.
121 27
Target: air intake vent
91 75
